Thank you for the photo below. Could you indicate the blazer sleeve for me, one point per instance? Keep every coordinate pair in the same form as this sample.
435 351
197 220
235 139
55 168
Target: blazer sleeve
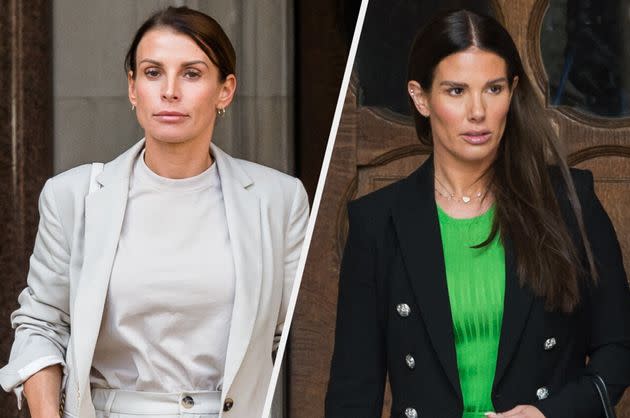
357 372
296 229
42 321
609 330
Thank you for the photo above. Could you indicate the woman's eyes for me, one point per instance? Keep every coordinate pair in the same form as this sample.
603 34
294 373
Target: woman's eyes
155 73
496 89
192 74
458 91
151 72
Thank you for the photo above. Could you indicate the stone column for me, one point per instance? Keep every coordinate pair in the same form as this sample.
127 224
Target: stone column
25 150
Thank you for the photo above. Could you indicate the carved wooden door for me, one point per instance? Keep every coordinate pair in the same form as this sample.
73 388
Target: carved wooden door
376 145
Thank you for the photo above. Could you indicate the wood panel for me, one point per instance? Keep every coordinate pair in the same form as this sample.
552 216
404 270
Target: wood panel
311 331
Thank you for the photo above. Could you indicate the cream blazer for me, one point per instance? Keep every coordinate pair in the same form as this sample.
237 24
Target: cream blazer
60 311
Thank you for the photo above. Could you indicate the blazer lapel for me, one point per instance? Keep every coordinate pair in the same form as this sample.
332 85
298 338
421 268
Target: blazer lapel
418 231
242 210
516 307
104 213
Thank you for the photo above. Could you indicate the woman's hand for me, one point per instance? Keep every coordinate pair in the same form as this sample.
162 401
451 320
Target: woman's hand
520 411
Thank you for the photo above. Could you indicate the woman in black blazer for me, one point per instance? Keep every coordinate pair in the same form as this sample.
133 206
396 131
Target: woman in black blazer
565 295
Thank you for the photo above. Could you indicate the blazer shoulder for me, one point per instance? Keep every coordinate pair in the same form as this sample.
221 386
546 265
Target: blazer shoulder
72 177
63 198
582 180
272 185
71 185
375 207
266 175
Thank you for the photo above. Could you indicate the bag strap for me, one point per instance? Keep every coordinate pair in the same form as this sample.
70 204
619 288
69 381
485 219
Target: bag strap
97 168
600 385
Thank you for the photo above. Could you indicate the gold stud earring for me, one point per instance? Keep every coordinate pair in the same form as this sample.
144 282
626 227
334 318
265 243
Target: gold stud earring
220 111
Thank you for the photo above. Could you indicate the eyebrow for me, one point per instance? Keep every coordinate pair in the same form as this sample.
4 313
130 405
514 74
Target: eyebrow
463 85
184 64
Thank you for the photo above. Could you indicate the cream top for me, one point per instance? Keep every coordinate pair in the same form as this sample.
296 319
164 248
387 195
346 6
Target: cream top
169 304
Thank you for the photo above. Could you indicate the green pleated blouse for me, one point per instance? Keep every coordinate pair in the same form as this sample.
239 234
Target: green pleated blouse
476 287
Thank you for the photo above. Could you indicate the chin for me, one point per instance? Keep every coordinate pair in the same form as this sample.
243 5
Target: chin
478 154
172 134
167 138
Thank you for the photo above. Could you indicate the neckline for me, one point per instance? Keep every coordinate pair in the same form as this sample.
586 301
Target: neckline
445 217
208 178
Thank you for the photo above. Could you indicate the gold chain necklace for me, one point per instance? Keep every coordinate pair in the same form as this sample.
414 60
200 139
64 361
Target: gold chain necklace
465 199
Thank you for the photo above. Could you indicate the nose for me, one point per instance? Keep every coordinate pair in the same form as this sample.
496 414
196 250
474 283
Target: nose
476 108
170 89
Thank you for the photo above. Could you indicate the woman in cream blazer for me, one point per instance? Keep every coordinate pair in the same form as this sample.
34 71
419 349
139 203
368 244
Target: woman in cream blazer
267 212
81 216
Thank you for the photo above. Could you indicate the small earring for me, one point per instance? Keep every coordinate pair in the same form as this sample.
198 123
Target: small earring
220 111
133 107
411 92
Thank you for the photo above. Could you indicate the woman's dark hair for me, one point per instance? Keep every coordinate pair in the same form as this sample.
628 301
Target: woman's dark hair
526 207
201 28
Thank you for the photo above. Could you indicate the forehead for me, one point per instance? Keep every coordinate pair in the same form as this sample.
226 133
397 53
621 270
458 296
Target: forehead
471 66
164 45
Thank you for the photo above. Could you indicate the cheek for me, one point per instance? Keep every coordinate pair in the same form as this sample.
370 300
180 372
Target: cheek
201 104
498 112
202 98
148 97
446 114
146 94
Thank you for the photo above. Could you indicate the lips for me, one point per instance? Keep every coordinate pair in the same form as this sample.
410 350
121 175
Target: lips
170 116
477 137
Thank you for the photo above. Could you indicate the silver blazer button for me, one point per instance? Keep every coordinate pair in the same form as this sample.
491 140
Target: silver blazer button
411 413
403 310
411 362
542 393
550 343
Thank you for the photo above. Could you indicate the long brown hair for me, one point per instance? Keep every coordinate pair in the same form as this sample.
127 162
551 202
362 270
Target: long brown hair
526 207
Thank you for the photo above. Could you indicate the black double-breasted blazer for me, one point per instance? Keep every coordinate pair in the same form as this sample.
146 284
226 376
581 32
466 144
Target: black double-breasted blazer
393 256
